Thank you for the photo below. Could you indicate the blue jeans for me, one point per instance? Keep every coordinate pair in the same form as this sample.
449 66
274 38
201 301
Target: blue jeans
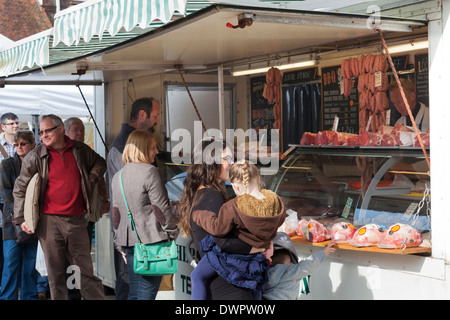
20 261
141 287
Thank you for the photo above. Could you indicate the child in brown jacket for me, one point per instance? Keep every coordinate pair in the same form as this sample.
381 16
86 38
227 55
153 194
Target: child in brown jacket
254 217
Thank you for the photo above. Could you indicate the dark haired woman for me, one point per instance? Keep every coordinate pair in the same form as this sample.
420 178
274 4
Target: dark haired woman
19 269
204 190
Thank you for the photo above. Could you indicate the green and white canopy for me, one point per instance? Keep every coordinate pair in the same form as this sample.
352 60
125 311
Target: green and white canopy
89 27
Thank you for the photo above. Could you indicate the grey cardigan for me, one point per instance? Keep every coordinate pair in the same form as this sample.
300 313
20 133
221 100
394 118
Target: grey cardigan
143 190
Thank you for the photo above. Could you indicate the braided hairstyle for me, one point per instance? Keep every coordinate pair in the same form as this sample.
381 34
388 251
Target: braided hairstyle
244 171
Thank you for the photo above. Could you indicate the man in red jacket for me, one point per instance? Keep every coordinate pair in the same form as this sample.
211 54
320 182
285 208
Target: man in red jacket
68 170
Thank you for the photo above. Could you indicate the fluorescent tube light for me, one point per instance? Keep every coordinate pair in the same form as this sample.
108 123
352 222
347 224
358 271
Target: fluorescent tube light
408 47
282 67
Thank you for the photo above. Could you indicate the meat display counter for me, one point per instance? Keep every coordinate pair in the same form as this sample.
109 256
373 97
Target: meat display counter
361 185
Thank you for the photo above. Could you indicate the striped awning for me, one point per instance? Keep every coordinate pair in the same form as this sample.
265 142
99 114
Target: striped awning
26 53
89 27
95 17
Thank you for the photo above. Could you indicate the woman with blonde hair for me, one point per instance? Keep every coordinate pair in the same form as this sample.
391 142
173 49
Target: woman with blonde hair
149 205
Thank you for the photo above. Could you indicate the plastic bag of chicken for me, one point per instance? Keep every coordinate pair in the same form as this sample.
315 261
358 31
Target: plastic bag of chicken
316 232
290 223
342 232
400 236
301 228
368 235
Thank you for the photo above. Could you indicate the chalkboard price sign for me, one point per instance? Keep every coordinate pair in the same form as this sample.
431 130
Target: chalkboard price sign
421 74
334 104
261 110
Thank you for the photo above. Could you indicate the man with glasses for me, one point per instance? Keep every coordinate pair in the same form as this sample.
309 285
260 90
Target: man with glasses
10 125
144 116
68 170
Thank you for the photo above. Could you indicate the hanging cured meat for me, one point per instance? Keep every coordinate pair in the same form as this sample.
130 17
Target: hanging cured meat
272 92
372 86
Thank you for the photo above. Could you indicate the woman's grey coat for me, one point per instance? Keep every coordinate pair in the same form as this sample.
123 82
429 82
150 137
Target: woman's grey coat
145 193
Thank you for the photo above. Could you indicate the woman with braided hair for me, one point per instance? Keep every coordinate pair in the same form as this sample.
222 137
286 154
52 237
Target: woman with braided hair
254 217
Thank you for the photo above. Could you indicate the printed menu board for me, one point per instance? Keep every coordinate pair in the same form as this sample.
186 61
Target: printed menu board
335 104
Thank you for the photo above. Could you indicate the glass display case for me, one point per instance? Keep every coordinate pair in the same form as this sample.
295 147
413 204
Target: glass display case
381 185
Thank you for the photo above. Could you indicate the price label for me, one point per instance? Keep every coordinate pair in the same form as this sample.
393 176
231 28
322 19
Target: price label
335 123
388 117
368 123
411 209
378 79
347 207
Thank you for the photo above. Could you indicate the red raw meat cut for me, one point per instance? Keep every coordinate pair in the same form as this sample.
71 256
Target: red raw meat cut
345 139
301 228
425 139
316 232
370 139
401 128
308 139
400 236
388 140
342 232
385 129
325 137
368 235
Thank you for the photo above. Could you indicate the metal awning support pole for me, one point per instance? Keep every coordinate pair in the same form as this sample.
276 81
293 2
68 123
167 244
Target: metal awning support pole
93 119
35 125
221 100
190 96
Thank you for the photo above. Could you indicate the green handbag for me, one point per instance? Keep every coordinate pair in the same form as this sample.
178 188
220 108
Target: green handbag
154 259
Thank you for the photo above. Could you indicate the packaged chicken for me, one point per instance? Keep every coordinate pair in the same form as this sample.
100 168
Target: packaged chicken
316 232
368 235
400 236
301 228
342 232
290 223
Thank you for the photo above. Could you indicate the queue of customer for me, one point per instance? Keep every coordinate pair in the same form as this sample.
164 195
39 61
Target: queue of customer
72 195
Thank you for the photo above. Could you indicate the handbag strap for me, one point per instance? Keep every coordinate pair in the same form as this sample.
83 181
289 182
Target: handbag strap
128 209
3 152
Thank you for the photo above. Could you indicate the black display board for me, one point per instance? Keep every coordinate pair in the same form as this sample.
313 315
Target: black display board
421 77
335 104
300 76
261 110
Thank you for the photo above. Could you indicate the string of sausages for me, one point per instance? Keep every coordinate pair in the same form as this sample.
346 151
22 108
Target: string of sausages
272 92
373 101
405 100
